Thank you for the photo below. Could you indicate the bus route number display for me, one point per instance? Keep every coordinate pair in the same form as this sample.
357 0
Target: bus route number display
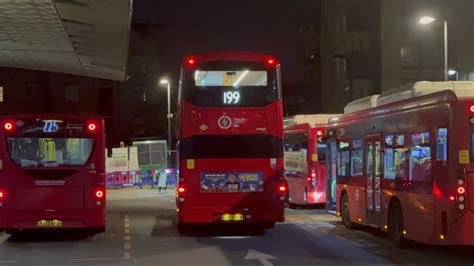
50 126
231 97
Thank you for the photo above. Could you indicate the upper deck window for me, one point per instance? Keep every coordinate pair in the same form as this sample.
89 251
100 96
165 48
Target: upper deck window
231 84
49 143
230 78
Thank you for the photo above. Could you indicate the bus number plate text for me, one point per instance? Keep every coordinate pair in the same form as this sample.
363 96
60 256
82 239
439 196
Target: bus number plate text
49 223
232 217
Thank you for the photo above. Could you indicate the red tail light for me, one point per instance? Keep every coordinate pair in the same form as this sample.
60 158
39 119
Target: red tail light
2 194
271 62
471 108
99 194
8 126
191 61
282 188
437 191
461 190
181 189
309 178
319 133
91 127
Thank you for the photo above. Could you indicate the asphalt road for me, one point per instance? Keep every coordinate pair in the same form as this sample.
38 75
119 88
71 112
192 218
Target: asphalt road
142 231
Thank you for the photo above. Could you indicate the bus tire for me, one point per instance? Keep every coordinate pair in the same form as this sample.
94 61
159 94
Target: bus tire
345 214
395 225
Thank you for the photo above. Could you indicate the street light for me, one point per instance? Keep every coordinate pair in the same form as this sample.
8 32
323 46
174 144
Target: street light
428 20
169 115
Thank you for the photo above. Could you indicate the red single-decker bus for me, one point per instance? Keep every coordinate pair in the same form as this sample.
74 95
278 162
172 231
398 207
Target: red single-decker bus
403 162
52 173
230 140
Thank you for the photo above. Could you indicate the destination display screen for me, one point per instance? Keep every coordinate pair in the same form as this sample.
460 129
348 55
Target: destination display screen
232 85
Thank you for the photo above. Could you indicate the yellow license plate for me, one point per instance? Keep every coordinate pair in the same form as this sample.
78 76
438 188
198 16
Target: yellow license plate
232 217
50 223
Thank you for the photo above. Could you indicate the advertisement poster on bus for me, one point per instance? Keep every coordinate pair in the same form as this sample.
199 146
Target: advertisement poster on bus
296 164
231 182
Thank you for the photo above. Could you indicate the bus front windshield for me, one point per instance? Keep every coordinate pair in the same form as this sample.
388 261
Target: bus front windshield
49 143
232 85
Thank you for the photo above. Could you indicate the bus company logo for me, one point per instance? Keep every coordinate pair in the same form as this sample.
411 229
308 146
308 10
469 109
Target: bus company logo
224 122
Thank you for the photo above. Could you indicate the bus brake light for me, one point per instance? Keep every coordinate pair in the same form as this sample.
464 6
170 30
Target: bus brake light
8 126
2 194
282 188
191 61
461 190
181 190
91 127
471 108
99 194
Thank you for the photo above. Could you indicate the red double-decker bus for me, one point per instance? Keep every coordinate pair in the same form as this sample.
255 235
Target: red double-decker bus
52 173
404 163
305 159
231 139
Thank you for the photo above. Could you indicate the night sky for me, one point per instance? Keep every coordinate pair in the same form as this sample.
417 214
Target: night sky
266 26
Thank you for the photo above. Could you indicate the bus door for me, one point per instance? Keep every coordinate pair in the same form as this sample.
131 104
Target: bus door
373 173
331 174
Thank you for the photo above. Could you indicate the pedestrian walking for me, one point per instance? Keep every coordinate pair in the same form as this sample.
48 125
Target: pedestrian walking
162 177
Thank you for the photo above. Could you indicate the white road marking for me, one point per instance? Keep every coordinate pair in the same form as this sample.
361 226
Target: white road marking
262 257
356 244
127 246
311 226
98 259
127 255
4 237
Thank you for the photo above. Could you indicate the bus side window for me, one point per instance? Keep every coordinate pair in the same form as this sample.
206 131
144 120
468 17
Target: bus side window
442 144
321 151
343 163
389 168
420 158
357 162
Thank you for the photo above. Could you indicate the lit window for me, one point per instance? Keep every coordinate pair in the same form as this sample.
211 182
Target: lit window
1 94
442 144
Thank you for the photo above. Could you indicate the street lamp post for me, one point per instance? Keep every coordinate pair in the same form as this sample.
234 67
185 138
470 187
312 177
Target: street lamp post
169 115
429 20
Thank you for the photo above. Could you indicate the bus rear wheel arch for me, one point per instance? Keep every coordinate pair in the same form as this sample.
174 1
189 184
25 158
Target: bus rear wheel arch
396 228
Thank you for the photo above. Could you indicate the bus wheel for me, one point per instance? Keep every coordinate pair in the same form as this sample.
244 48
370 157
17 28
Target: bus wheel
345 215
395 225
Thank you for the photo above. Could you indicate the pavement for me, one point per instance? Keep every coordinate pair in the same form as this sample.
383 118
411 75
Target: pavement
142 230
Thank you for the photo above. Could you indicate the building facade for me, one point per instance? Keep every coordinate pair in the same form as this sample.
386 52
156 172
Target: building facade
373 45
39 92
